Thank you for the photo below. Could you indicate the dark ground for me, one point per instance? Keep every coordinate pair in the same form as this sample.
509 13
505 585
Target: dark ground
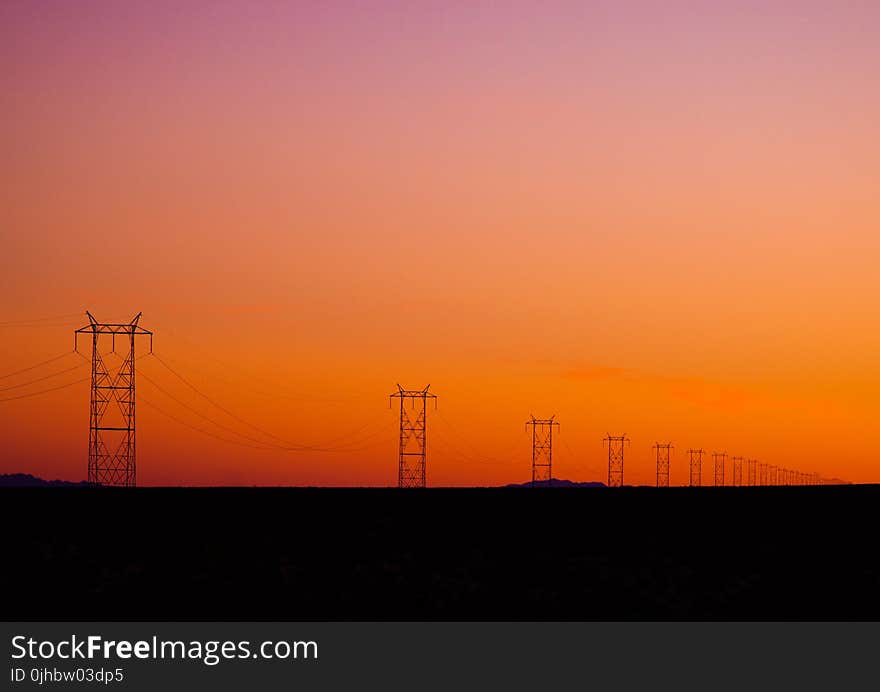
477 554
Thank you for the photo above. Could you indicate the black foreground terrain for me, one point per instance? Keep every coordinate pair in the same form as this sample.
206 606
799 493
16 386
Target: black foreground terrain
81 553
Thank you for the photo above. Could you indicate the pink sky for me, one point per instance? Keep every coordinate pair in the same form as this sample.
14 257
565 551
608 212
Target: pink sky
645 217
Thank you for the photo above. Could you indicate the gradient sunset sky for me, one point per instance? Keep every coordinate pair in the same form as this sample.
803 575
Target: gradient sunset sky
652 218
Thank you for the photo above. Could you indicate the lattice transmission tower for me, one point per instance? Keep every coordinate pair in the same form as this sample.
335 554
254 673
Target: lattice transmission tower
616 445
720 459
696 467
542 448
664 451
752 473
413 442
112 403
737 470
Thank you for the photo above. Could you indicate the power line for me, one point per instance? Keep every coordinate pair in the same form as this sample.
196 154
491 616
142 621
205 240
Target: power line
265 444
202 415
219 406
473 453
248 380
461 457
38 365
582 466
198 429
39 320
42 379
44 391
332 446
287 444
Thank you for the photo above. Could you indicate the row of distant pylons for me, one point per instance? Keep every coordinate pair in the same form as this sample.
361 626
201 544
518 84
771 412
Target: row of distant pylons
755 473
413 451
112 443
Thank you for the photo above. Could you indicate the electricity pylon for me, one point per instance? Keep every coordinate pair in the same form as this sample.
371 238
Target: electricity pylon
663 453
615 459
542 448
112 427
737 470
413 442
696 467
720 458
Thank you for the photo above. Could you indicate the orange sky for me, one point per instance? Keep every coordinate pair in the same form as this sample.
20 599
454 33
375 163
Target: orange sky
657 220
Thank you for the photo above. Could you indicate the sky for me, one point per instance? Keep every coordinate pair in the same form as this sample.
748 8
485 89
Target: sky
657 219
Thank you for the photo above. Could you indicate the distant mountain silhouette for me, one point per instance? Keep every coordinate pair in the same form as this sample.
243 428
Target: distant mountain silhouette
557 483
26 480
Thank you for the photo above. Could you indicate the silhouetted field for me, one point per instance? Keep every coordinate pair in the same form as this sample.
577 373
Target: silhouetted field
474 554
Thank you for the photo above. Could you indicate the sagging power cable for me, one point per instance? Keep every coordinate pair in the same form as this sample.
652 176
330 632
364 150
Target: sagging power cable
37 365
45 391
41 379
280 442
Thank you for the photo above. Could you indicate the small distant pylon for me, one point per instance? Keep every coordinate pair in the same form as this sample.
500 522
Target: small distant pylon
772 476
616 446
752 472
542 448
664 451
763 476
737 471
413 441
720 459
696 467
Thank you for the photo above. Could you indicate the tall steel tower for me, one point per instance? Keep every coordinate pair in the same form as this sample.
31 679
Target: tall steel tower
696 457
615 459
413 444
752 473
663 453
720 459
542 448
737 470
112 403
